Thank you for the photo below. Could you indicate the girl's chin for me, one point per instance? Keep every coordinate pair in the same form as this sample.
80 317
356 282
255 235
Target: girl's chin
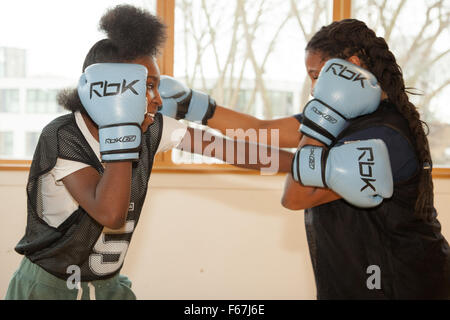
149 119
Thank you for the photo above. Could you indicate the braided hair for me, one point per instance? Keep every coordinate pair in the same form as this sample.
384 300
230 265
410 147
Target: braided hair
131 33
351 37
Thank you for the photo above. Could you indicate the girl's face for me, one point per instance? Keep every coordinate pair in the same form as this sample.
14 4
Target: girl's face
314 62
153 97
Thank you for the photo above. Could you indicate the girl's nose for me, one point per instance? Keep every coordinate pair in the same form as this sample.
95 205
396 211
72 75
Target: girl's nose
154 97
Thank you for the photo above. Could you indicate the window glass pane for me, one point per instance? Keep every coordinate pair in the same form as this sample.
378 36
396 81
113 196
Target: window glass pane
42 101
418 33
6 144
31 139
12 62
248 54
9 100
40 53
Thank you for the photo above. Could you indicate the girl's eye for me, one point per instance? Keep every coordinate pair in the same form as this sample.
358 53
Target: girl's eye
313 76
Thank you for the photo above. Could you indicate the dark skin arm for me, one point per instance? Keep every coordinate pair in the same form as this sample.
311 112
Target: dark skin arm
295 197
299 197
105 198
245 154
288 133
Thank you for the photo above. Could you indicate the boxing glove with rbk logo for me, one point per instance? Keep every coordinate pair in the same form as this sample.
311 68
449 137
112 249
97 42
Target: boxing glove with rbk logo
359 171
114 96
181 102
343 91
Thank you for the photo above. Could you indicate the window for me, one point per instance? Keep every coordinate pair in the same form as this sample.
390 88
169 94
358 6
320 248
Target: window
224 47
418 33
249 55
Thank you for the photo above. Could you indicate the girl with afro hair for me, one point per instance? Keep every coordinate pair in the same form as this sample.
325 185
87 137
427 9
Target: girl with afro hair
82 211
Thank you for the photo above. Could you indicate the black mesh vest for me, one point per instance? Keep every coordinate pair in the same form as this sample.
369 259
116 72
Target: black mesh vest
80 240
350 246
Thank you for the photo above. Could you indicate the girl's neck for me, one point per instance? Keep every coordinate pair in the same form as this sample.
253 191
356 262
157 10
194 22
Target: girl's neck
93 129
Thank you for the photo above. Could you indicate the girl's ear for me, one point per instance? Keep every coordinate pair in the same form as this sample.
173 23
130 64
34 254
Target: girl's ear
355 60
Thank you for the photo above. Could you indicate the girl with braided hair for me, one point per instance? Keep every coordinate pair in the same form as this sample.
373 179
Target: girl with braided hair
353 38
400 239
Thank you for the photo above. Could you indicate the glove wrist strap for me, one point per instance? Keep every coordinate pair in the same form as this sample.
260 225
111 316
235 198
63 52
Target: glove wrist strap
210 112
322 119
198 106
309 166
120 141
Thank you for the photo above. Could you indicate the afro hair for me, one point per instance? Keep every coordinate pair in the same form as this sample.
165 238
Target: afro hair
134 31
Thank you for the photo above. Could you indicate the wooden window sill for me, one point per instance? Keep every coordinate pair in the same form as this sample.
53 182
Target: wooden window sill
168 167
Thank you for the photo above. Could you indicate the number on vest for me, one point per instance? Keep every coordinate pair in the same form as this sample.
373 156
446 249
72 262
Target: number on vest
97 262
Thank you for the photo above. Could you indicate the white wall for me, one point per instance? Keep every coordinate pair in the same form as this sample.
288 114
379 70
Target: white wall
205 236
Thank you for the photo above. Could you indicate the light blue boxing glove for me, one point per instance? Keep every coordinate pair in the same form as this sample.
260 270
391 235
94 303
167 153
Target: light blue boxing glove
114 96
343 91
181 102
359 171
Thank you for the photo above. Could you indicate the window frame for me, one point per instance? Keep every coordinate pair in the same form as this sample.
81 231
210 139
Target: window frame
165 9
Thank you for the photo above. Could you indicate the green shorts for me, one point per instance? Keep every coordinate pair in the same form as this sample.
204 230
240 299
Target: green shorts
31 282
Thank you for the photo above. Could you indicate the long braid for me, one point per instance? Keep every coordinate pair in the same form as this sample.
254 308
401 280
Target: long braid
345 38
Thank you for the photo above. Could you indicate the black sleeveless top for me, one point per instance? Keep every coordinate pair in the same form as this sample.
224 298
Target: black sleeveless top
350 246
80 240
